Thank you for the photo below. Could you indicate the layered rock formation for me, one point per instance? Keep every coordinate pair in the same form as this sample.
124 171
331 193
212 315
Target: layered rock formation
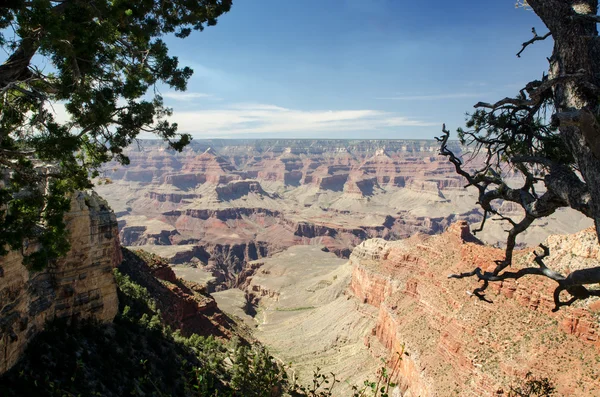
457 345
231 198
80 285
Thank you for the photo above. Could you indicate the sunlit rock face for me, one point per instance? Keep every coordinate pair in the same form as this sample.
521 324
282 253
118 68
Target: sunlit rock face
80 285
458 345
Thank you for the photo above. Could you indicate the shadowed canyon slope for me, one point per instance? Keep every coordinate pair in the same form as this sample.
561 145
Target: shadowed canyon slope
80 285
224 203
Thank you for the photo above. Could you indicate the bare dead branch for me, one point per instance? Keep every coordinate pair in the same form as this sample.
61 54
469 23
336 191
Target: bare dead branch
506 101
535 38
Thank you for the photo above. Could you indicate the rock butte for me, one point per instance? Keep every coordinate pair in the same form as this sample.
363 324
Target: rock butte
81 285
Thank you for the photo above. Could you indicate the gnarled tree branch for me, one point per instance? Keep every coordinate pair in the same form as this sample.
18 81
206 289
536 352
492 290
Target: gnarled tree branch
535 38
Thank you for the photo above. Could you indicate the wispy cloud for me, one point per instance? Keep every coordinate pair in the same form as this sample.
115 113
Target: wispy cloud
187 96
435 97
255 118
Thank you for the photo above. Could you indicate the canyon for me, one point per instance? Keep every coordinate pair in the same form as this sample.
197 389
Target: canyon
392 299
333 254
220 204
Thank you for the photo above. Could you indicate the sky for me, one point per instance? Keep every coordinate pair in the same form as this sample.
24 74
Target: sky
355 69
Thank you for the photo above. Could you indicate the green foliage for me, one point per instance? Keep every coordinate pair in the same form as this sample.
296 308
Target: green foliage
322 385
510 133
382 386
107 60
139 356
533 387
256 373
135 295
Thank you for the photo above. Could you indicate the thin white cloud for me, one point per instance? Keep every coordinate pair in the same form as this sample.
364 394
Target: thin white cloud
476 84
247 118
435 97
186 96
254 106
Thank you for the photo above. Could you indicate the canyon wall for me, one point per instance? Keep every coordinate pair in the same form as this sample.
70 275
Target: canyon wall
78 286
457 345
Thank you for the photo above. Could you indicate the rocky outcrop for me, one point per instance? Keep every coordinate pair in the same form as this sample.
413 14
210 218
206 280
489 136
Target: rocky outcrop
175 198
81 285
138 235
184 180
361 185
208 162
223 214
237 189
286 168
139 175
231 264
384 168
457 345
424 186
184 305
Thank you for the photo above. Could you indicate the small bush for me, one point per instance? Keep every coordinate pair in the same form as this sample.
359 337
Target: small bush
533 387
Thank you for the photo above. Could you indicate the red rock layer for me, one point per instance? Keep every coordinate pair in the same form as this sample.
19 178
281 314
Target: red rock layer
457 345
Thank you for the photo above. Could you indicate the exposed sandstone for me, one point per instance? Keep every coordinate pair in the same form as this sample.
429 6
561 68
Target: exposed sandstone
425 186
80 285
170 197
237 189
458 345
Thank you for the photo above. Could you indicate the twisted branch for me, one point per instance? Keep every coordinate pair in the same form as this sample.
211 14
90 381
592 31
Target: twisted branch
566 190
535 38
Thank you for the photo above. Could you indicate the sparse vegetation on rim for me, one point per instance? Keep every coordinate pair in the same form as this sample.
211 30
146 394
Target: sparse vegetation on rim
549 134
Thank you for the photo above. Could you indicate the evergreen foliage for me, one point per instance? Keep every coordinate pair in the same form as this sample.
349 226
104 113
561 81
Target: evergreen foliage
139 356
105 61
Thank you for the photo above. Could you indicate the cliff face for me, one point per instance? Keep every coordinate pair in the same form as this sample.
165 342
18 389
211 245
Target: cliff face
457 345
80 285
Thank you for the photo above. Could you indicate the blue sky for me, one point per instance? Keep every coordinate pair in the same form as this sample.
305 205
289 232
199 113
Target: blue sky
352 68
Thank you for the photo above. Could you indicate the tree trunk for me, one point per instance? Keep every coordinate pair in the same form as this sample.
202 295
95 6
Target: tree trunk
577 49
